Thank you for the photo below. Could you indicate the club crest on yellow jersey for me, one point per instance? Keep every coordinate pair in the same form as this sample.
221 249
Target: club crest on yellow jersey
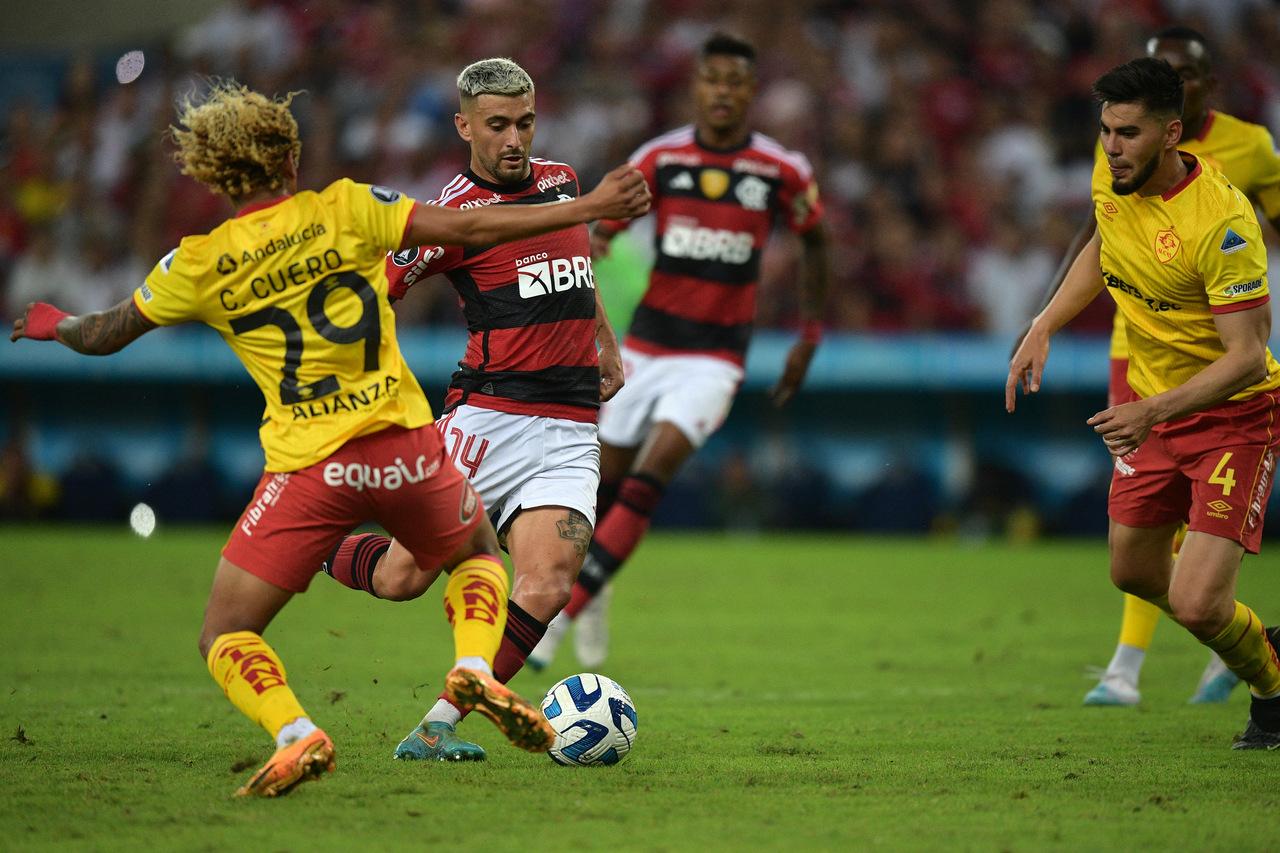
713 183
1167 245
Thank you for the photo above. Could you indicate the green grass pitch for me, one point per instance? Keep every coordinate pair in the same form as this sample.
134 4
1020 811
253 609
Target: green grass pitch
793 692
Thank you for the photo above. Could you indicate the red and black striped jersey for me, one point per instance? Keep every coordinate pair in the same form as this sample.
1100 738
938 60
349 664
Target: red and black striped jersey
715 210
530 305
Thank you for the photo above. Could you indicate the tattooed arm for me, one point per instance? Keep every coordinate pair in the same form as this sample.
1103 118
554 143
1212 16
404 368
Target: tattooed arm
99 333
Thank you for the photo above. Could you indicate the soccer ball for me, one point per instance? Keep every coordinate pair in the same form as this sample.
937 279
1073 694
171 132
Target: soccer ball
594 719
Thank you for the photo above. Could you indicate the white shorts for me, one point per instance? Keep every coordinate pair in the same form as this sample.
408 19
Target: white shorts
521 461
694 392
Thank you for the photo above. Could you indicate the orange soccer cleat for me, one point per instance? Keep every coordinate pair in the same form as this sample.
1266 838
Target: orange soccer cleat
308 758
521 721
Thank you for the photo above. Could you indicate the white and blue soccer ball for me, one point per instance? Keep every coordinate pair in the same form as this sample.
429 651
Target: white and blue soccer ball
594 718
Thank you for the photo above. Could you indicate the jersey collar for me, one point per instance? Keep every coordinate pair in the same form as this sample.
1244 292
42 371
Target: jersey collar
501 189
1193 172
261 205
746 143
1204 128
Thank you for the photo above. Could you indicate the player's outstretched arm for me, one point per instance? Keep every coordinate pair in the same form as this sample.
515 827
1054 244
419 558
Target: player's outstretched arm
1078 242
98 333
1244 337
620 194
814 281
1082 283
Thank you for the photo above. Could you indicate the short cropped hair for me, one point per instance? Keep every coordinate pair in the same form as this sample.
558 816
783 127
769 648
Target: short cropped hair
235 140
723 44
495 76
1147 81
1181 33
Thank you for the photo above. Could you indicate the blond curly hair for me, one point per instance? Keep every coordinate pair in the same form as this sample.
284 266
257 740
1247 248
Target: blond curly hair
235 140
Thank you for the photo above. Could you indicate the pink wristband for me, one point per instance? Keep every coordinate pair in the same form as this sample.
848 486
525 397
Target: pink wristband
811 332
42 321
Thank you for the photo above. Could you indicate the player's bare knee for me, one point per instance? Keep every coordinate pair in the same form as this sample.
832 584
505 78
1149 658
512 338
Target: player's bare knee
398 583
547 590
215 625
205 643
483 540
1203 615
211 631
1127 578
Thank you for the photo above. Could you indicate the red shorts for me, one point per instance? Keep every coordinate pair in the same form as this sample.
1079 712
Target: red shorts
400 478
1118 390
1212 469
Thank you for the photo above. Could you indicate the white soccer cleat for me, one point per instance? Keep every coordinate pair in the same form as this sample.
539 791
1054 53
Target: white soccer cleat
591 636
545 652
1113 690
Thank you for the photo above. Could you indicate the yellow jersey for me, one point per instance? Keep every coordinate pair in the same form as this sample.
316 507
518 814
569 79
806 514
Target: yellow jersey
1171 262
1246 154
297 287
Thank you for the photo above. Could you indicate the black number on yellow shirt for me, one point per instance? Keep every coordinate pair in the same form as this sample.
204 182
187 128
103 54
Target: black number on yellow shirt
368 329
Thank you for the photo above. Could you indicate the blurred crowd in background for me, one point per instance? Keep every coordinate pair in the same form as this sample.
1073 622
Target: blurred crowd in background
952 140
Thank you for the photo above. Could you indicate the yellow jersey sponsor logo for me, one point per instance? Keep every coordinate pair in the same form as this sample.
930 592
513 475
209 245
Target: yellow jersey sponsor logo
1114 282
1242 289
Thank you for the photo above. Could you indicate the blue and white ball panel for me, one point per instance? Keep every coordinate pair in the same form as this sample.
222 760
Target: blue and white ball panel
594 718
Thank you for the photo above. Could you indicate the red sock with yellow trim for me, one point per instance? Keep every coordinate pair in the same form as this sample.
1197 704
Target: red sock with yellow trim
252 676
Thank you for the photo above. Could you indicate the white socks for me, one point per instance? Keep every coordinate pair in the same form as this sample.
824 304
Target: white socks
477 663
443 712
294 731
1127 663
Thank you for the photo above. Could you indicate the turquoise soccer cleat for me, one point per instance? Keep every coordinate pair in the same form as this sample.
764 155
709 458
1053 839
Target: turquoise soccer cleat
1215 690
437 742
